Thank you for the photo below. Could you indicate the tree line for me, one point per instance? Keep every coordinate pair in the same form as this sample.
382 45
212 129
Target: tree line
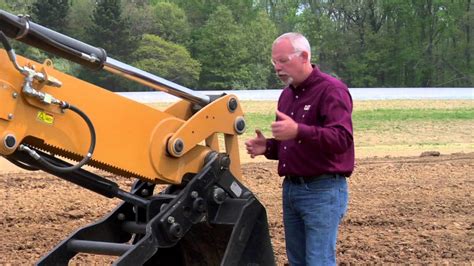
226 44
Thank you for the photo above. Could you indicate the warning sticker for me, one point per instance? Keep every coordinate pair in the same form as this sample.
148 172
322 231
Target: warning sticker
45 118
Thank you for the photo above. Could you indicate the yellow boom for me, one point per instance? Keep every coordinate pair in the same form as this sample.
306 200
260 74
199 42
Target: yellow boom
133 140
47 116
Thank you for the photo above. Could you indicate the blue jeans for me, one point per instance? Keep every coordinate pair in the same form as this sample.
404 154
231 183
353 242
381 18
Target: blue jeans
311 215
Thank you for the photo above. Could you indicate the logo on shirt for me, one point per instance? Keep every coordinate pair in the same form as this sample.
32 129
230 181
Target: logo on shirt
306 107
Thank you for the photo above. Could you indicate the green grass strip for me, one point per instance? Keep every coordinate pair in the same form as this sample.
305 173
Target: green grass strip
414 114
368 119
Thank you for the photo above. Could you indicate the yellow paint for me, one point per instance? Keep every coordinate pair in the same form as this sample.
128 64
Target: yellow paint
132 138
45 118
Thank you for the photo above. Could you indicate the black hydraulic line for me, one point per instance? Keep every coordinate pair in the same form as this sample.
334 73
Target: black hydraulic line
5 42
10 51
81 178
64 105
48 164
22 165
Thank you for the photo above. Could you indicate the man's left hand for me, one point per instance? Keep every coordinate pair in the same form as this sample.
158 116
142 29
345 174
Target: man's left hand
285 128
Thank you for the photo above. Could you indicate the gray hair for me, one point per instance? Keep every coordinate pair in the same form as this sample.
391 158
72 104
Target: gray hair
297 40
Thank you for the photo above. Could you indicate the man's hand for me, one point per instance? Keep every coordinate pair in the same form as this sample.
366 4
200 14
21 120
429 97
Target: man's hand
256 146
285 128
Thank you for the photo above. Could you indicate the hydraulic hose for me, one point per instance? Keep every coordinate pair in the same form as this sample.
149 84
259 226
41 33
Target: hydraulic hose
49 164
5 42
64 105
88 156
22 164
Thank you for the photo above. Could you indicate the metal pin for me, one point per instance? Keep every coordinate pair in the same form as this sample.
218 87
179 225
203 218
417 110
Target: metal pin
121 216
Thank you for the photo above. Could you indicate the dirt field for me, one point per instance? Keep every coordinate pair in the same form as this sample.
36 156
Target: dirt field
402 210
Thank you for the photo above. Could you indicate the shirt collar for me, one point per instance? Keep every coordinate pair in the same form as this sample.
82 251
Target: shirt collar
310 80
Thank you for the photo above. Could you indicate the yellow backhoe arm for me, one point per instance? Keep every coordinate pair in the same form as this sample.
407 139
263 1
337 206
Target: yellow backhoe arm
47 117
131 137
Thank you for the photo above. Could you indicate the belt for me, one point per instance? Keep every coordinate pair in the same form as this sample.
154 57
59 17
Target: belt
295 179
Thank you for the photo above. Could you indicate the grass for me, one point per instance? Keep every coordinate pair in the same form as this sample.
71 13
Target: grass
390 128
372 119
369 119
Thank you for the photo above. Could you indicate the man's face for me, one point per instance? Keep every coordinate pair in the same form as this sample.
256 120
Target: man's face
287 63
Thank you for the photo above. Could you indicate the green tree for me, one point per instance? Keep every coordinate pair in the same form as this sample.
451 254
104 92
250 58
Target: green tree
79 18
51 13
467 25
170 23
166 59
197 11
111 31
284 13
219 49
391 42
17 7
242 10
4 5
426 38
140 15
366 43
451 44
258 38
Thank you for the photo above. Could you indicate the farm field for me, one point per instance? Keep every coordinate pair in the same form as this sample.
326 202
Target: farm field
403 208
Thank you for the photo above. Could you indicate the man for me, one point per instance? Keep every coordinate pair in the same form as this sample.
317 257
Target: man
312 139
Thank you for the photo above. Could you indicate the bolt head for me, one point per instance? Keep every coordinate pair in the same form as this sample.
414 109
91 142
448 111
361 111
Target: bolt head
232 104
219 195
10 141
225 162
178 146
239 125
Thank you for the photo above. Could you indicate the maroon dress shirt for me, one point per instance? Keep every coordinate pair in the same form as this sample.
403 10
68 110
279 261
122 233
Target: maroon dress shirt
322 107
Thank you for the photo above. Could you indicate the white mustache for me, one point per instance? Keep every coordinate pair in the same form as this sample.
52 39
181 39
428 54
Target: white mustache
289 80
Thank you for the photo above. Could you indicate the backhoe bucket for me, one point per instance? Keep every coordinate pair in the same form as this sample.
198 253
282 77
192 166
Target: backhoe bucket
211 219
247 242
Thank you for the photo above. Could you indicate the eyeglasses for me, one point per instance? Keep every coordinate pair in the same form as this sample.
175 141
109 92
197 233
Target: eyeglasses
285 60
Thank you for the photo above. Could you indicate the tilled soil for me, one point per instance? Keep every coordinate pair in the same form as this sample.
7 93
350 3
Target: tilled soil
401 210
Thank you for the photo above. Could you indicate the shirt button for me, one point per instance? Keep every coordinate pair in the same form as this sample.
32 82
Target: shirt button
296 96
284 165
299 141
303 115
284 147
303 89
292 113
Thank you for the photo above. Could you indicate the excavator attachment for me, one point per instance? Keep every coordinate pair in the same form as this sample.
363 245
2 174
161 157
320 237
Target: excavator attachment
56 123
210 219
